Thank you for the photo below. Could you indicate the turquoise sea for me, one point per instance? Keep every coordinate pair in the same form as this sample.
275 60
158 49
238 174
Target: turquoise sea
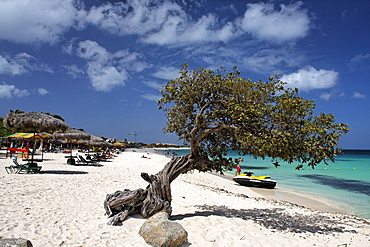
344 183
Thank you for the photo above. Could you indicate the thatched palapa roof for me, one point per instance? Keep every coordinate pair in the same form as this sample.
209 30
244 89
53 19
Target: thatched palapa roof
33 121
72 135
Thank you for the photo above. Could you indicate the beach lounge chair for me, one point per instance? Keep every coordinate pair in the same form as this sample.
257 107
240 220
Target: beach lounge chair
13 168
81 160
30 168
26 168
97 157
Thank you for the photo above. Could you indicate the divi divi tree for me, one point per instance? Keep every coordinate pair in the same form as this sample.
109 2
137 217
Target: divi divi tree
214 111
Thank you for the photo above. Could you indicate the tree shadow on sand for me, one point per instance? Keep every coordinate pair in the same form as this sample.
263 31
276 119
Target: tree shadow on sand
276 218
63 172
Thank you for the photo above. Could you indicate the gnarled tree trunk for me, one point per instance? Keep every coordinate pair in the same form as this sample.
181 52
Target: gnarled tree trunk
156 197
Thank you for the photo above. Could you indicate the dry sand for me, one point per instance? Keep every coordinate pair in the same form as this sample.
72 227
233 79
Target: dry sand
63 206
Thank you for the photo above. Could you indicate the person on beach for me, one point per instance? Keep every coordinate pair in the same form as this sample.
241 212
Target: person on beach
238 170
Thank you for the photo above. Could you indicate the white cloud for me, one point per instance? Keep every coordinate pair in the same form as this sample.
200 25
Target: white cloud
268 60
43 91
167 73
103 75
153 84
105 78
360 61
177 31
329 95
168 33
73 70
32 21
357 95
8 91
11 66
68 47
151 97
326 96
108 70
91 50
164 23
20 64
132 17
132 61
310 78
264 22
167 23
243 53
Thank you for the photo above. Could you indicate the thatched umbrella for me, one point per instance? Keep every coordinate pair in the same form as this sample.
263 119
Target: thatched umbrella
71 135
118 145
121 145
101 144
33 122
96 138
57 142
96 141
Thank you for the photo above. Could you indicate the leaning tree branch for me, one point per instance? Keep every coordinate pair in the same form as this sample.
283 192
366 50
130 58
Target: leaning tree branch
208 131
156 197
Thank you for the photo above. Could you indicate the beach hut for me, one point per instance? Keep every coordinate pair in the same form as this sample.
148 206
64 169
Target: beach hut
33 122
71 135
24 149
97 141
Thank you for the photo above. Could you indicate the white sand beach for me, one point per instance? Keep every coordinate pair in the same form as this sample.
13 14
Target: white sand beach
63 206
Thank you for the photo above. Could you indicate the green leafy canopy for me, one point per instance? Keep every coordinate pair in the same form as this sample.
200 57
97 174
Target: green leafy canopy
214 111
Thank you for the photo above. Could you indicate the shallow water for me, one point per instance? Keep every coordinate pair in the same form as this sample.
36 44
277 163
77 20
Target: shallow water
345 183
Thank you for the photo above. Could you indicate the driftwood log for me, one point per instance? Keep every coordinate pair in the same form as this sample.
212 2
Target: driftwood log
157 195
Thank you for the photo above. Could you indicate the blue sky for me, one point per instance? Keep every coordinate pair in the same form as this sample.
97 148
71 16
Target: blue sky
100 64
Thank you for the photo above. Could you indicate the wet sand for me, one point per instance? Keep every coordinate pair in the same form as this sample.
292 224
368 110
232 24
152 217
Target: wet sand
284 195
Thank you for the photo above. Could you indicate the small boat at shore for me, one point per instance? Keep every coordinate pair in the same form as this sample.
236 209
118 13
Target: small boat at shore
247 179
